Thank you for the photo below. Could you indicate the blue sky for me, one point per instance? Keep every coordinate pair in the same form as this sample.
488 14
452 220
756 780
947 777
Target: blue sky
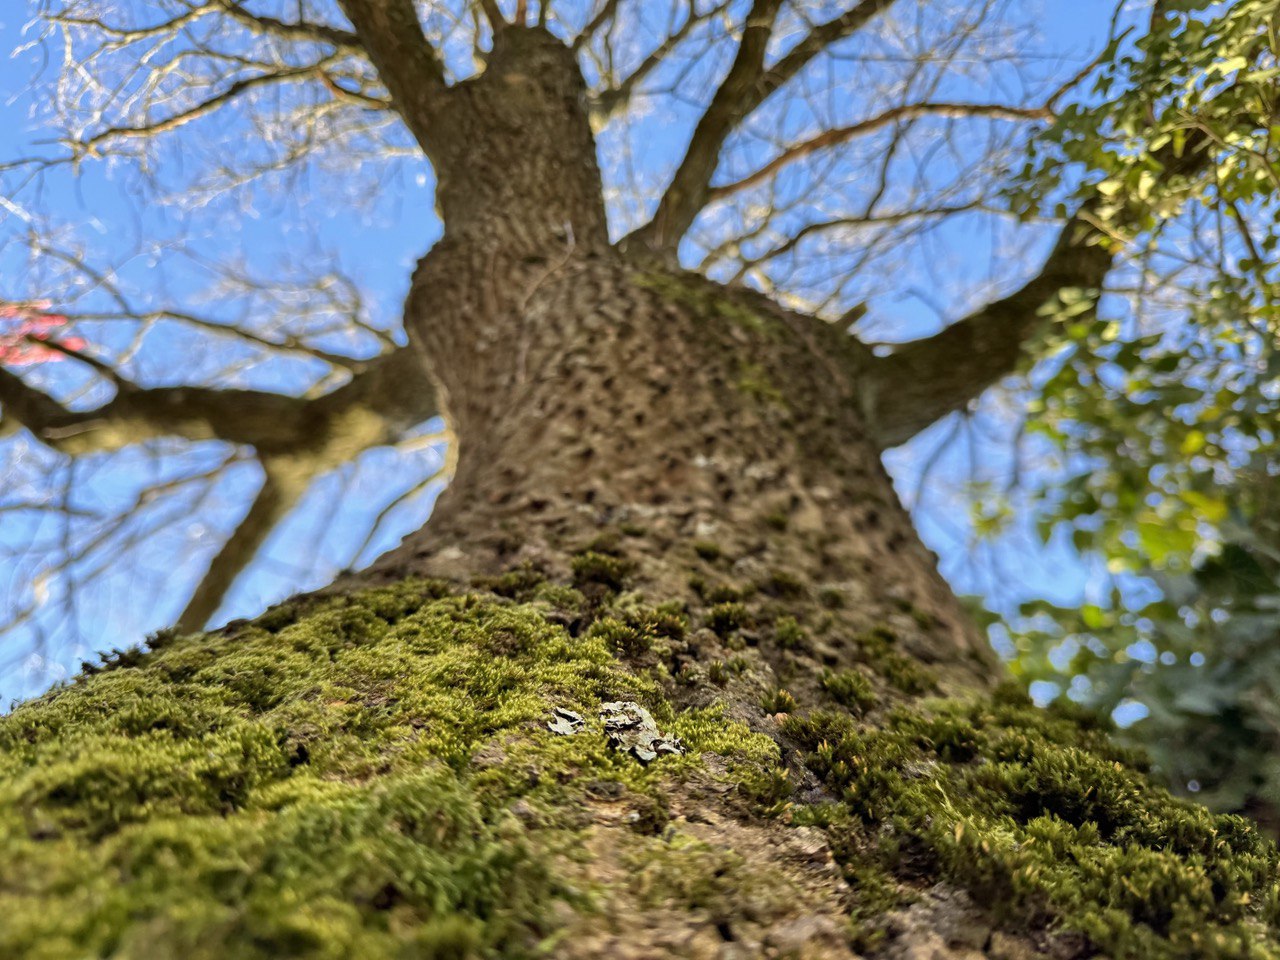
378 244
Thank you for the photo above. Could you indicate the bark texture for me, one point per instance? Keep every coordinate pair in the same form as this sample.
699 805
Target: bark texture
591 391
667 497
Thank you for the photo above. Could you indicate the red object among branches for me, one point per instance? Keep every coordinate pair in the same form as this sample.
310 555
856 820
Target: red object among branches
24 325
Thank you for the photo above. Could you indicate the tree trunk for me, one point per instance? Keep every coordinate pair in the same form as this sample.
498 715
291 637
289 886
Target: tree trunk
593 394
666 500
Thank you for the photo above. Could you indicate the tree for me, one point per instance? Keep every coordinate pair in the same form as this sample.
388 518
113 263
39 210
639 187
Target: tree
669 672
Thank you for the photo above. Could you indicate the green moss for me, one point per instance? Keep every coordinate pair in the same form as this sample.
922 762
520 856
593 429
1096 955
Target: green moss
850 689
779 701
777 520
709 302
564 601
875 893
754 381
622 638
906 674
686 873
373 776
666 620
602 569
720 671
789 635
770 788
726 617
519 584
1043 821
707 551
831 598
709 730
784 585
632 629
339 787
719 592
877 650
923 618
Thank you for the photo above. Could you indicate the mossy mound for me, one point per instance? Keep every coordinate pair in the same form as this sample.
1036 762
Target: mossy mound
373 776
342 786
1046 822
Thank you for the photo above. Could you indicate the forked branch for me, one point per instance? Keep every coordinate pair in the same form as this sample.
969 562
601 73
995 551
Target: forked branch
271 423
747 85
925 380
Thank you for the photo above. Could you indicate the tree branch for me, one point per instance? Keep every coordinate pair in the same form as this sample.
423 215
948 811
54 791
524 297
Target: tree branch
280 491
734 99
925 380
342 40
746 86
839 135
608 10
287 476
205 107
818 39
371 409
614 100
24 406
493 13
406 62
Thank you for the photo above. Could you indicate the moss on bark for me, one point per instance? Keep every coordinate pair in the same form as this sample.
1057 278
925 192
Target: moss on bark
373 776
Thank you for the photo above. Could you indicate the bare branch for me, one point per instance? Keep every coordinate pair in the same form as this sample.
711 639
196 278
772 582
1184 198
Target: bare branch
282 487
733 100
369 410
838 135
746 86
927 379
608 11
837 223
341 40
24 406
614 100
493 13
815 41
418 489
406 62
203 108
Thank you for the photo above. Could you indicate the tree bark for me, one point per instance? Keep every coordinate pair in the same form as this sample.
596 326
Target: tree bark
666 498
591 391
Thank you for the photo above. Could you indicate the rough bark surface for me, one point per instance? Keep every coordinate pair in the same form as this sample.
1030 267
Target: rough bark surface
665 496
590 391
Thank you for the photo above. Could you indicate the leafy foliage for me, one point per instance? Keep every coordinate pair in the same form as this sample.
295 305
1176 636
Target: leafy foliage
1163 403
1201 656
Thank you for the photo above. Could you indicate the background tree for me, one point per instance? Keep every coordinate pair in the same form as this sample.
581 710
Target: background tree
667 499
